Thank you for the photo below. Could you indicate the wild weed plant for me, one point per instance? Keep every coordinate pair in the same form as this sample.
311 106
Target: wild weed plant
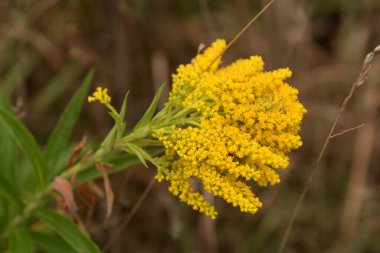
220 128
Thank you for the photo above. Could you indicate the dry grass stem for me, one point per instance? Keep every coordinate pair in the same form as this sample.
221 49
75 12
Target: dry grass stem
358 82
129 216
355 187
357 179
242 31
347 130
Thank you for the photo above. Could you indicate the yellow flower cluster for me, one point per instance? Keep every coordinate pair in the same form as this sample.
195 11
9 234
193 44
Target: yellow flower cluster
249 121
100 95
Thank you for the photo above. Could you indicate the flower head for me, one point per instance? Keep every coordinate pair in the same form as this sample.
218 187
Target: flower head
100 95
222 127
249 120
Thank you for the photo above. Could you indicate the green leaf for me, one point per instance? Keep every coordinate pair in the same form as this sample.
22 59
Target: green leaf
4 215
8 154
118 129
9 192
120 163
50 243
8 148
26 142
58 139
119 124
139 152
151 110
20 242
123 109
109 140
69 232
122 113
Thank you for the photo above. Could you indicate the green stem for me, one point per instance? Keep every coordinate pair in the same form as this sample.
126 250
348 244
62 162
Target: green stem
140 137
35 203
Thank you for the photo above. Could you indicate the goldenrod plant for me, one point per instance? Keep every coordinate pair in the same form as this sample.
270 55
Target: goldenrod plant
215 142
222 126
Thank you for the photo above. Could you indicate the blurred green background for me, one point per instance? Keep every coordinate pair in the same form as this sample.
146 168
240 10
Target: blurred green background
46 47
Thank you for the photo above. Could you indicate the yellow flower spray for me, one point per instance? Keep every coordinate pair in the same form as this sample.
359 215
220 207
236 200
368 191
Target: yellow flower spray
222 126
100 95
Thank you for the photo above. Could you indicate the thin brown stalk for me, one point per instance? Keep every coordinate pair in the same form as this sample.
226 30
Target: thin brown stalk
242 31
347 130
356 188
129 216
358 82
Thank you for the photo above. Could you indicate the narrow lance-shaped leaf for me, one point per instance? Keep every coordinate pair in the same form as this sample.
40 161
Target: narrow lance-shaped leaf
7 190
139 152
8 148
151 110
119 124
77 151
50 243
69 232
26 142
123 109
4 215
63 186
20 241
62 131
107 187
122 113
120 163
110 138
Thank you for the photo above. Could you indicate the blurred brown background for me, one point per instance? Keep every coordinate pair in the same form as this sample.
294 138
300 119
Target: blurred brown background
46 46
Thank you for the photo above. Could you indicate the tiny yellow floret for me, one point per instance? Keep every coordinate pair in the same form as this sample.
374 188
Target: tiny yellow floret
100 95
